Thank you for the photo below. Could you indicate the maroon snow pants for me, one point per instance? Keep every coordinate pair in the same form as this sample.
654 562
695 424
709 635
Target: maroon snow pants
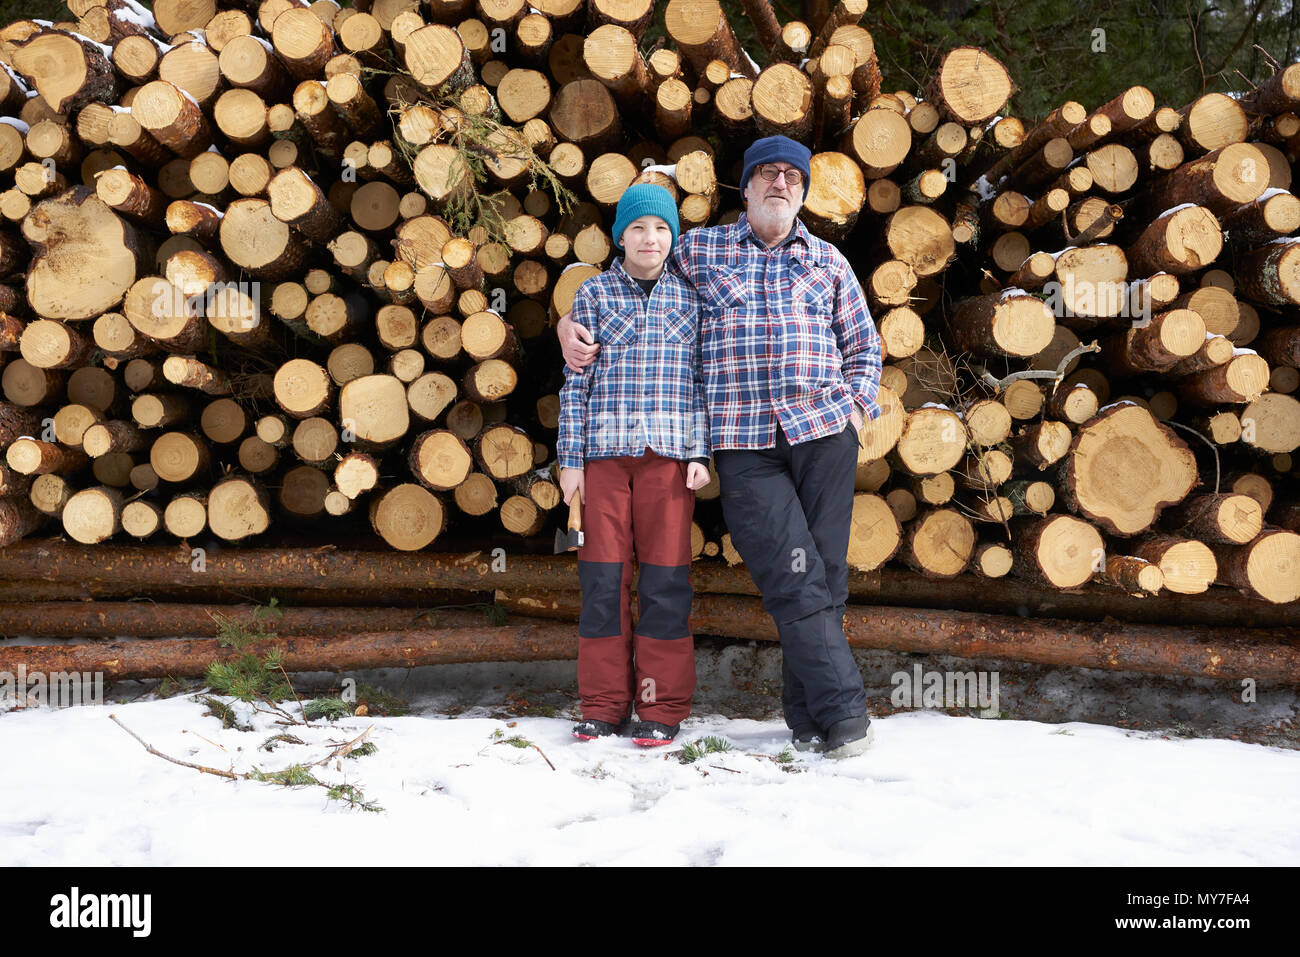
636 504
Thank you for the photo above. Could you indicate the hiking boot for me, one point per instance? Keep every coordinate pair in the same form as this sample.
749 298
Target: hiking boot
651 734
808 739
590 729
849 737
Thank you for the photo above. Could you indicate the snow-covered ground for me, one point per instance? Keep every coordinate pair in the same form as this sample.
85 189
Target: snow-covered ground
454 790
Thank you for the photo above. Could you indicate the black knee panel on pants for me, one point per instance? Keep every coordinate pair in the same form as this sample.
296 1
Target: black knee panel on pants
602 599
664 595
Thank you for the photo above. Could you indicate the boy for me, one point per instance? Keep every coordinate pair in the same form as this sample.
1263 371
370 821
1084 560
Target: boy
633 446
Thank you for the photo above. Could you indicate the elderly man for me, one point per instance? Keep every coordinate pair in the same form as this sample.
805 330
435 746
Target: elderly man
791 366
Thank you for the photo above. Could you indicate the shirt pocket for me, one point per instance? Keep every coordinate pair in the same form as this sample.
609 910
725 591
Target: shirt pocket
726 292
813 357
681 326
812 293
618 328
722 309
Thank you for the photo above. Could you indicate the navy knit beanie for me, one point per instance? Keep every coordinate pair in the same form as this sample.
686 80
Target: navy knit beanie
645 199
777 149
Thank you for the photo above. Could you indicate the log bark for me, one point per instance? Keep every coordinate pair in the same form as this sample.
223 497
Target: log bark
461 642
1158 346
1188 565
583 112
1267 274
1241 379
300 203
37 457
1205 652
1264 567
17 518
836 195
700 31
1003 325
1056 550
172 117
303 43
611 54
67 71
1220 181
1178 241
109 619
112 570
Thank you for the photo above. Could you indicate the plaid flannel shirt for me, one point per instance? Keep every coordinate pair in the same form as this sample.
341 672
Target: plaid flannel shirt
785 335
645 389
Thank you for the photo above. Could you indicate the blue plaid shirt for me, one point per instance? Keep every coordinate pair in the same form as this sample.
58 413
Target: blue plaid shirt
645 388
785 335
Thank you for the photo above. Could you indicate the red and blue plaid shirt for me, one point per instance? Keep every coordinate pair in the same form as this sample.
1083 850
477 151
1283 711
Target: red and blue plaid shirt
645 388
785 335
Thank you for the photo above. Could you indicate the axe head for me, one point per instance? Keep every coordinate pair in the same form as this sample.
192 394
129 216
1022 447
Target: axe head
570 539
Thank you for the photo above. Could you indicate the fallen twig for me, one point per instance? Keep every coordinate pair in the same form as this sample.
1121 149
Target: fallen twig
301 710
343 750
201 738
166 757
544 757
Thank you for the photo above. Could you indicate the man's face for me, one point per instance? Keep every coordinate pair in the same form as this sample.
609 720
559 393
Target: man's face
777 200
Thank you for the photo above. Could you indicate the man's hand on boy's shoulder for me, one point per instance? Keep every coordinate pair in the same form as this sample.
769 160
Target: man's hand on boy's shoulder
576 344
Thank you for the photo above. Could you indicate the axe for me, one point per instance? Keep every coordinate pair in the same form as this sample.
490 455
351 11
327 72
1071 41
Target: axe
570 539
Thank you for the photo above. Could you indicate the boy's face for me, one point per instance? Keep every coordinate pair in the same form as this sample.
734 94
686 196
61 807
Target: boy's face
647 241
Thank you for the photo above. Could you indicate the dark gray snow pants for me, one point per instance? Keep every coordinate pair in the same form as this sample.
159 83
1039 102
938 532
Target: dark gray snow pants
788 510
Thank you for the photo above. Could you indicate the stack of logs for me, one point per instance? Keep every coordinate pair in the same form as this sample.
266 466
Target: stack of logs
288 262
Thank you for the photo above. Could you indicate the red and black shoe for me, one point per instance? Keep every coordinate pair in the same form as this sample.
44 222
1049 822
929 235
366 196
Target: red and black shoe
651 734
590 729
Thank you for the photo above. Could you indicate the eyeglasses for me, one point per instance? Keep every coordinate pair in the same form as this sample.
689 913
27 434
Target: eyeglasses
769 173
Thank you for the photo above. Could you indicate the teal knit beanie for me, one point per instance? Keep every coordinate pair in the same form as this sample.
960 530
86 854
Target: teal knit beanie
645 199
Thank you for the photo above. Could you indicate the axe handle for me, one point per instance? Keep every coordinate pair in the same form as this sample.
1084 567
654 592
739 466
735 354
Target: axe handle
575 513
